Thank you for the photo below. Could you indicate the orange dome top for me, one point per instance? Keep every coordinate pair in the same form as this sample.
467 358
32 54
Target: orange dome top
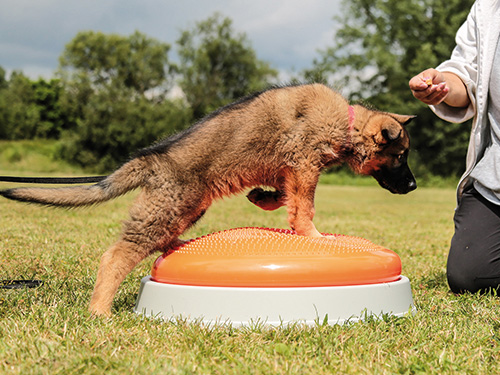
261 257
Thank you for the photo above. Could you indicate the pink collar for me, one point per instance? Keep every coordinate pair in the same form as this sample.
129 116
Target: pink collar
348 141
351 118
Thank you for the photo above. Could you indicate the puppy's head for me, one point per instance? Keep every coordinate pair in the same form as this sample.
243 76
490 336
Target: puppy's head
381 147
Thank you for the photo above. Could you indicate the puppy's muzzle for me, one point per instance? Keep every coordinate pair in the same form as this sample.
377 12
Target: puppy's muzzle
397 180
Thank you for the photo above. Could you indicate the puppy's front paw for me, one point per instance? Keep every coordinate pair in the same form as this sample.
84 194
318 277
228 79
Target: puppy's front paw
267 200
330 237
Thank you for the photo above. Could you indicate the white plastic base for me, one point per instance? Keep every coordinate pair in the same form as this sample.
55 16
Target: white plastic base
274 306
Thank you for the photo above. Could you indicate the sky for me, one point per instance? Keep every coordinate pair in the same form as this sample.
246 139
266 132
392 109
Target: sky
285 33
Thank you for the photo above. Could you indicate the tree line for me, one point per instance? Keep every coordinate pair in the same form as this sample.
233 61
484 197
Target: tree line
114 94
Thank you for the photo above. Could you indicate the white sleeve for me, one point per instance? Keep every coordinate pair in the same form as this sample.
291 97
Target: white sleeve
464 63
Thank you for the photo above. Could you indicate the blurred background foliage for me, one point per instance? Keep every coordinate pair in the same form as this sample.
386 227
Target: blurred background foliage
114 94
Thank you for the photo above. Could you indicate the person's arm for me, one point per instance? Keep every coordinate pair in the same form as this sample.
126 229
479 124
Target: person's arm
451 96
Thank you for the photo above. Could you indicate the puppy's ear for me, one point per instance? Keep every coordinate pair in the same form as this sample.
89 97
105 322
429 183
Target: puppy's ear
389 132
402 119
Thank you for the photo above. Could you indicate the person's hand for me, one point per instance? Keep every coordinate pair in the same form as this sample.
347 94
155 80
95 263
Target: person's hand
429 87
433 87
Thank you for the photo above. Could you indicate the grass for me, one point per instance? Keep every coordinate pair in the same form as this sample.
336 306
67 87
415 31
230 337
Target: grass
49 331
32 157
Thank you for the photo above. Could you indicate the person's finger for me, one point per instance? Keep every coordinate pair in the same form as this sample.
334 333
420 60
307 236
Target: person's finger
418 83
434 95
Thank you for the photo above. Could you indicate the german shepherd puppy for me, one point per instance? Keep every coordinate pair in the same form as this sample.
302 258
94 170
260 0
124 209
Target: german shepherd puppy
280 138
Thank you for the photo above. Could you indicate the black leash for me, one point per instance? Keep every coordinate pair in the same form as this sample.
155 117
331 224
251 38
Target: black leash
53 180
20 284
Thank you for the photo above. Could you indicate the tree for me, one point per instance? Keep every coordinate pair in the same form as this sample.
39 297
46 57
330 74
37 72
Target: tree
51 121
3 80
29 109
19 114
379 46
93 62
218 66
112 128
135 62
114 97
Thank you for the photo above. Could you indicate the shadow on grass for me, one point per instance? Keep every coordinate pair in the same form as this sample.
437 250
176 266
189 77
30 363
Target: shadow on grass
124 302
435 279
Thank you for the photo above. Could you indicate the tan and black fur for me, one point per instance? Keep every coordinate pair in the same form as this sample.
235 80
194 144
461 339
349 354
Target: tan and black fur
281 138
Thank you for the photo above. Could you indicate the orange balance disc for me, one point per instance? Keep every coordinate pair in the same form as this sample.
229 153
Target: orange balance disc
260 257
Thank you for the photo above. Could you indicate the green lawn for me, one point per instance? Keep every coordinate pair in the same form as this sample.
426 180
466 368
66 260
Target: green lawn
48 330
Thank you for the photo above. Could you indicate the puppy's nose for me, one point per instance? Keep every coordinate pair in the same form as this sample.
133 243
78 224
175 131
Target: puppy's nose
412 185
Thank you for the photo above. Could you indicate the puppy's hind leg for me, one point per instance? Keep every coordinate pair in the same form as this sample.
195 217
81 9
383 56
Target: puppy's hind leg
154 226
116 264
141 236
267 200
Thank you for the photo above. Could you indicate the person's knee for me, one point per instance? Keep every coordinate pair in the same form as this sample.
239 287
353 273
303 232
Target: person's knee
466 277
460 282
473 261
461 276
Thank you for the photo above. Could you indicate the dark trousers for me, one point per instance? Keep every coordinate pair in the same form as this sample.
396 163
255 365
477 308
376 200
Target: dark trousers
474 258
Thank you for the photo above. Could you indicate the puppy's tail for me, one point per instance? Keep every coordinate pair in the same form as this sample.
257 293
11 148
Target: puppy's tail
130 176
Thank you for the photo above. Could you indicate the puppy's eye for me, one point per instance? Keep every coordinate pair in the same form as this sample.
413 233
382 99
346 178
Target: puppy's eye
399 157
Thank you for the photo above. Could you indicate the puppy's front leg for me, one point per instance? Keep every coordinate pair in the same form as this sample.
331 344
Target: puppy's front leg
300 205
